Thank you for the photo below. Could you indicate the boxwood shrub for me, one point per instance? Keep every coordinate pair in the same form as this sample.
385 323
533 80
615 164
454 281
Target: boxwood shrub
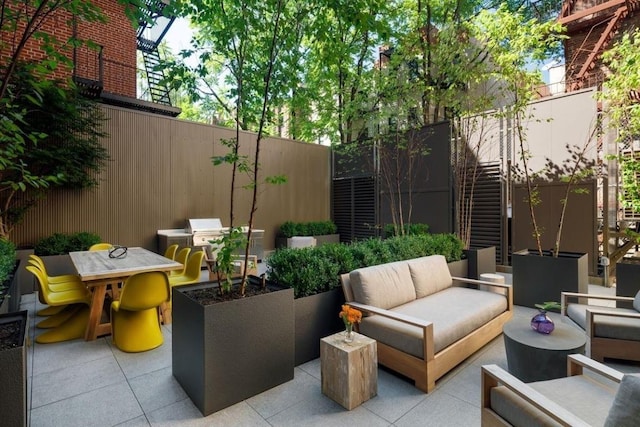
7 264
313 270
314 228
418 228
60 243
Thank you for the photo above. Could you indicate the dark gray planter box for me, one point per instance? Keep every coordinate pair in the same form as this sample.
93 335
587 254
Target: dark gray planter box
11 300
227 352
316 317
26 280
458 268
323 239
537 279
13 375
482 260
627 280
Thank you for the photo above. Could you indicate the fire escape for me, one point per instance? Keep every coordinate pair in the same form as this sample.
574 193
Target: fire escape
151 31
596 25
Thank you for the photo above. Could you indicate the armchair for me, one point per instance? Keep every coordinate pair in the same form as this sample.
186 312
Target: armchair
611 331
603 396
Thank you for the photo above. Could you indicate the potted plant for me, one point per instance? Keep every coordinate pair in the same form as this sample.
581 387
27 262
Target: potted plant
531 279
218 363
240 343
13 368
323 231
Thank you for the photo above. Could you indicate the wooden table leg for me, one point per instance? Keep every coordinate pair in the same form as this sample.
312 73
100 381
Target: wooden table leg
95 313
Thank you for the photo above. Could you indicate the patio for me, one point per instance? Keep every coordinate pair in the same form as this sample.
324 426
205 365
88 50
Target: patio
79 383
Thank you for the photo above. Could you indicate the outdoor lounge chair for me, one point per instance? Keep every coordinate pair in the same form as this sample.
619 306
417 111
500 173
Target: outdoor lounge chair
611 331
603 396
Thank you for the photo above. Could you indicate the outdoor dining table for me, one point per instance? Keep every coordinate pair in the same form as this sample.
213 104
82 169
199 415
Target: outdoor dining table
98 270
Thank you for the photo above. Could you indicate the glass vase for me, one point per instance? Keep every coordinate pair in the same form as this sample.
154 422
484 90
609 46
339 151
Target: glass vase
542 323
348 333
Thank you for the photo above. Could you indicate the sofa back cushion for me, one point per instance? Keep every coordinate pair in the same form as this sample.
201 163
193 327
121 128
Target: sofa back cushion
429 274
384 286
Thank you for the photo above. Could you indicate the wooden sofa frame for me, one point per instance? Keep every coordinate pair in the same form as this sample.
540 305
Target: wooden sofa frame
425 372
600 347
493 375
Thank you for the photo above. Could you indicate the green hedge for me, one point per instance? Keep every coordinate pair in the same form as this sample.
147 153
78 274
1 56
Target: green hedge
409 229
313 270
60 243
7 264
314 228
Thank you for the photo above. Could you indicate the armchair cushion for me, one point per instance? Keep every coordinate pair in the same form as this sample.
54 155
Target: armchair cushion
625 410
383 286
454 312
430 274
584 396
607 326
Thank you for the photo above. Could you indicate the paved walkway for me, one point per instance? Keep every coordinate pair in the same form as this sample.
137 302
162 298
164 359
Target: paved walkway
80 383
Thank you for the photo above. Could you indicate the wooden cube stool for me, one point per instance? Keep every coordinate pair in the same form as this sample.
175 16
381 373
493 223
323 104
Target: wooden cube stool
349 371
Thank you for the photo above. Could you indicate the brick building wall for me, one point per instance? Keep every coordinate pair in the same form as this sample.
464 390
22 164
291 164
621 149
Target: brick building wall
117 38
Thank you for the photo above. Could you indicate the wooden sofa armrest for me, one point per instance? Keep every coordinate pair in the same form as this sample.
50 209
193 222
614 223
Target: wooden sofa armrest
566 296
480 282
391 315
577 362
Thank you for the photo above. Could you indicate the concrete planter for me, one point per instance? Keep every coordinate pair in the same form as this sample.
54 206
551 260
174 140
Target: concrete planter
226 352
480 261
316 317
13 374
459 268
537 279
11 301
627 280
283 242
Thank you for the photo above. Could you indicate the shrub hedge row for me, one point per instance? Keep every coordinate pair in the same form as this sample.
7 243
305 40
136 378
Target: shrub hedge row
418 228
60 243
7 264
314 228
313 270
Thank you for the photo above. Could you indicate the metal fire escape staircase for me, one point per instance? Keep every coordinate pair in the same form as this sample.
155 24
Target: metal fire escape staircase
150 33
612 10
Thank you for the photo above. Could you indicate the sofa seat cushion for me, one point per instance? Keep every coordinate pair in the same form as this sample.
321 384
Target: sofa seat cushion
583 396
454 312
430 274
606 326
383 286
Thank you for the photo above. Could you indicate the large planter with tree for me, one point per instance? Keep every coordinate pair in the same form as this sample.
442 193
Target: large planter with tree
219 361
13 369
537 278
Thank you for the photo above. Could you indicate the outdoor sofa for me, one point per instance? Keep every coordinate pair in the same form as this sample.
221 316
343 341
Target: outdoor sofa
426 322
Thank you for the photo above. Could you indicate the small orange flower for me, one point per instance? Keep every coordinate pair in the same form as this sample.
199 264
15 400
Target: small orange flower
350 315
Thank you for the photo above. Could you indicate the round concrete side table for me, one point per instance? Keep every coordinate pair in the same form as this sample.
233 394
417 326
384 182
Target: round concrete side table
532 356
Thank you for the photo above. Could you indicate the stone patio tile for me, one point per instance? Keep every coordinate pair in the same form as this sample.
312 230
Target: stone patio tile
157 389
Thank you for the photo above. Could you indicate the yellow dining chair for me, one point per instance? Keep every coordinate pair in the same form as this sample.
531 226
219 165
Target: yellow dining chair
191 271
77 315
101 247
171 252
55 283
181 257
135 324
